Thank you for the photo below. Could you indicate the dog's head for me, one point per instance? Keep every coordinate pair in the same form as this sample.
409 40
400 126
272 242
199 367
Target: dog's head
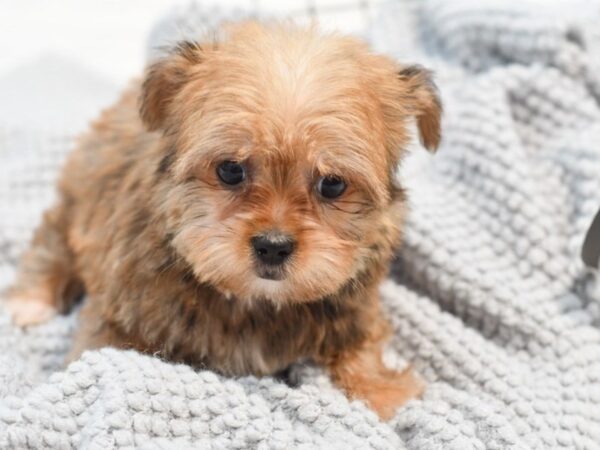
280 150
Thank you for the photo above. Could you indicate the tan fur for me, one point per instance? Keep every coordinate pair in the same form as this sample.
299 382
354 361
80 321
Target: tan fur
162 248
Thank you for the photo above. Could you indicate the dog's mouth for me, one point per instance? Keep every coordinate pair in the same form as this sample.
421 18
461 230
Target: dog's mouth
270 273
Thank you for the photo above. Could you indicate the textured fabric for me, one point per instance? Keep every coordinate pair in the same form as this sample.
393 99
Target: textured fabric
489 299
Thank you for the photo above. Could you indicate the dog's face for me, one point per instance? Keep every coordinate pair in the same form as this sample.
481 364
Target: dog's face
281 147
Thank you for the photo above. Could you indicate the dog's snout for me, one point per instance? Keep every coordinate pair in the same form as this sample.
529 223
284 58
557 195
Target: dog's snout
273 248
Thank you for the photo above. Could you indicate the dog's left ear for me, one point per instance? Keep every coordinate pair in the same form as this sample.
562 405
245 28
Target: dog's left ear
424 102
164 80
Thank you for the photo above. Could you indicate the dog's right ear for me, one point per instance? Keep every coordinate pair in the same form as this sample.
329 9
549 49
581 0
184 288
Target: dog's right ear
164 79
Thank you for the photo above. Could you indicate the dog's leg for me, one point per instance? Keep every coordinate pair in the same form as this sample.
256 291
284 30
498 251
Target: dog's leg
362 375
46 283
92 334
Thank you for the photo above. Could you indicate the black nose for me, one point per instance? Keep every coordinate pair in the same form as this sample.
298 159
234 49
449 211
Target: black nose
272 249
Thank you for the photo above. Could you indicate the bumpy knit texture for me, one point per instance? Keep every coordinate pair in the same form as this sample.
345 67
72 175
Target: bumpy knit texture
488 299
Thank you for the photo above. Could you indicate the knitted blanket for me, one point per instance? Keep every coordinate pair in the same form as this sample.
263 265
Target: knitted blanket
488 298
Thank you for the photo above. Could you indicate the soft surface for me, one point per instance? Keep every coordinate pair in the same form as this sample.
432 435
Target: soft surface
489 302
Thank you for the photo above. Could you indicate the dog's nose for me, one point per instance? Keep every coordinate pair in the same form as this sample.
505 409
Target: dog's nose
273 248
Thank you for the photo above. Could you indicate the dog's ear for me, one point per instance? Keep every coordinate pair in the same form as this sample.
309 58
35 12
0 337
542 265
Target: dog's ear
163 81
424 102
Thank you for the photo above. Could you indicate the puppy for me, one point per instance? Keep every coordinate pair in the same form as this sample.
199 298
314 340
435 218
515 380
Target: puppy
238 209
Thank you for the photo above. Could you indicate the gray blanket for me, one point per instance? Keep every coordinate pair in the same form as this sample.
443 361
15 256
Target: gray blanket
488 299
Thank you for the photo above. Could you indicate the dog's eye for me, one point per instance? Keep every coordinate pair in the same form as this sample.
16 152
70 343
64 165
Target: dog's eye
331 186
231 172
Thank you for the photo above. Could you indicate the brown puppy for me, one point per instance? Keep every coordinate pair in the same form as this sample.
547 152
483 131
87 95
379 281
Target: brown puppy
242 218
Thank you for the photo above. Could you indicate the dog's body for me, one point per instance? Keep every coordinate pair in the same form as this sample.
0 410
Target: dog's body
151 226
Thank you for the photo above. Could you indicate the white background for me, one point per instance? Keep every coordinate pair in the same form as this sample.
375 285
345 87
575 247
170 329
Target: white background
109 36
61 61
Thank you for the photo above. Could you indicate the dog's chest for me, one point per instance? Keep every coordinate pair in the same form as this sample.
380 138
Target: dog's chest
264 339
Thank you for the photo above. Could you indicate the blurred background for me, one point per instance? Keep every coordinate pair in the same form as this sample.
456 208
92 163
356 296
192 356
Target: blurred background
60 61
110 35
66 58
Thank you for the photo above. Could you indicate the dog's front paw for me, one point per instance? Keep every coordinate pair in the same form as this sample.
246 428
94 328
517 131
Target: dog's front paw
382 389
363 376
386 394
28 311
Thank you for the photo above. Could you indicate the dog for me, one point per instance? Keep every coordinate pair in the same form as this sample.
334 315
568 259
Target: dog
238 208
